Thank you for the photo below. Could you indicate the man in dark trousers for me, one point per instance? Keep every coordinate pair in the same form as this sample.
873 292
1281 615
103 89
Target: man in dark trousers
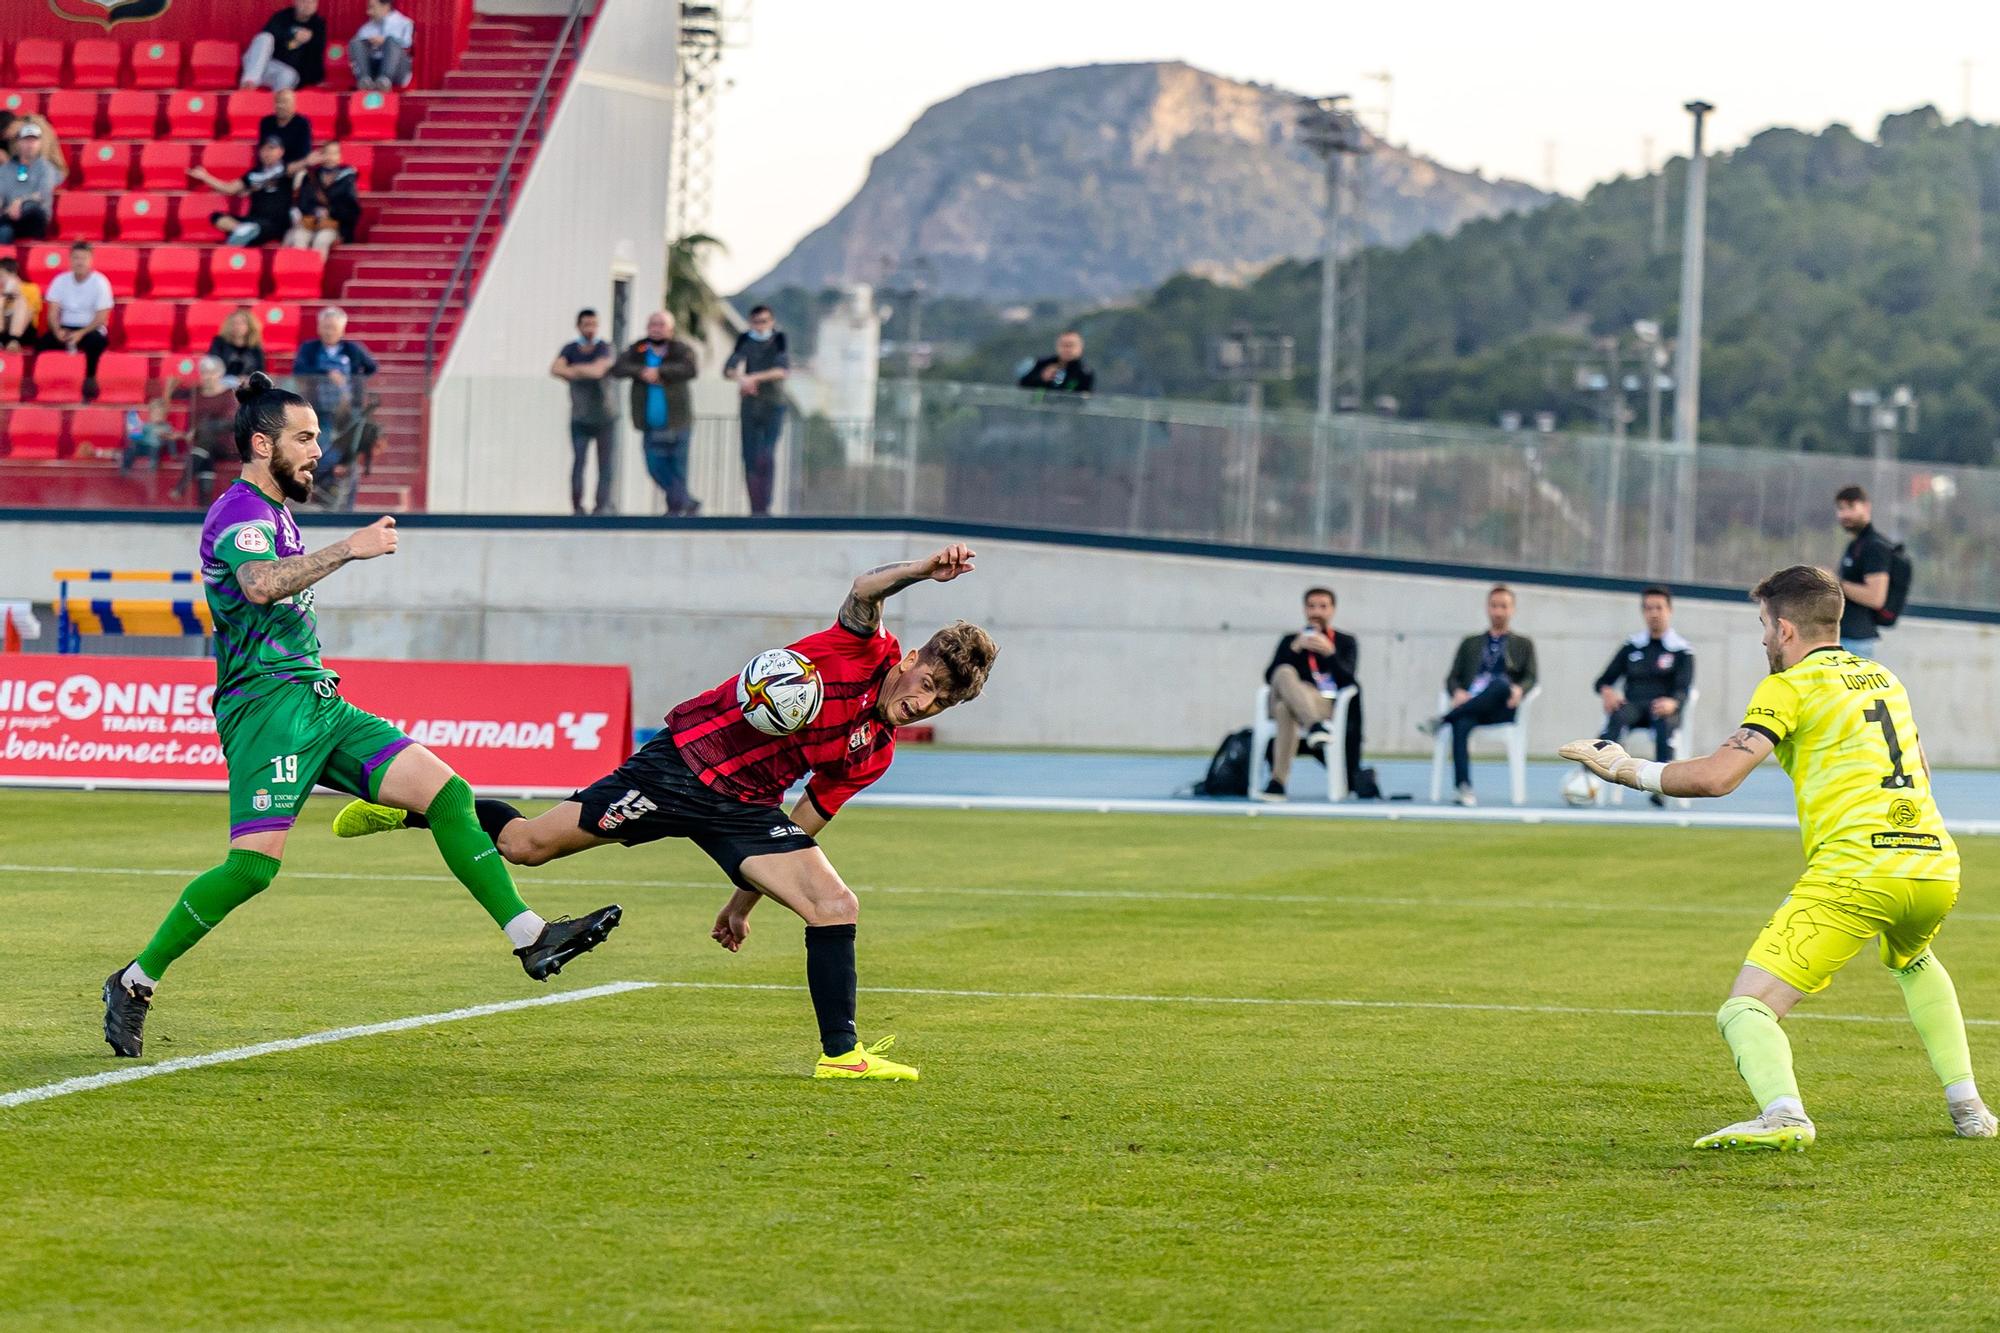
1305 671
660 366
1490 675
585 363
1864 572
1656 667
1064 372
760 363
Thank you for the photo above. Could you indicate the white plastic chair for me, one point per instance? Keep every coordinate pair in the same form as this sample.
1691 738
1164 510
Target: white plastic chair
1514 734
1264 732
1610 793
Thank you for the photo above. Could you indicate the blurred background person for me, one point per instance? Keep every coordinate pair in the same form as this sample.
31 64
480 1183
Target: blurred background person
759 363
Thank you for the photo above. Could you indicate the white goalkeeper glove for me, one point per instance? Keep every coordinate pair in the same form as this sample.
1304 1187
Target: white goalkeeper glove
1609 761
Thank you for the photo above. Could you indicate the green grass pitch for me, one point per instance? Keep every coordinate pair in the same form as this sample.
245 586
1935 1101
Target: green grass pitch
658 1159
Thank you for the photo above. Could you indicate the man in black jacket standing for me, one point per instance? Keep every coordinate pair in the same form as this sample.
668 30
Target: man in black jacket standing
1864 572
1305 671
1064 372
1656 667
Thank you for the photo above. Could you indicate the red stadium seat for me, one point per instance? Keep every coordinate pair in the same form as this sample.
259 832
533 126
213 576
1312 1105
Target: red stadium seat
34 432
148 326
204 321
360 156
142 217
213 64
320 107
21 104
182 366
227 161
130 115
98 430
339 74
120 266
242 111
281 327
192 214
11 366
73 115
102 166
95 62
43 263
173 271
59 377
122 376
191 115
372 115
296 275
38 62
235 272
164 166
156 64
82 215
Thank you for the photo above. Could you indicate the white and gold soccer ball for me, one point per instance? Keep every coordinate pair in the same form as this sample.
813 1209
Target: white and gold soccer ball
1580 787
780 692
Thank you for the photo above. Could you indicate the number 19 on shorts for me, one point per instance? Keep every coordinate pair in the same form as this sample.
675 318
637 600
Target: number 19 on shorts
285 768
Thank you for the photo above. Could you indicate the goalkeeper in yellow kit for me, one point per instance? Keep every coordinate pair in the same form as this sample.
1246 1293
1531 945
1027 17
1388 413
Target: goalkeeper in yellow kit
1879 862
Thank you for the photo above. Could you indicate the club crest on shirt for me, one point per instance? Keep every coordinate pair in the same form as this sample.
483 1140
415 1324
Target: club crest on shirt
860 736
253 539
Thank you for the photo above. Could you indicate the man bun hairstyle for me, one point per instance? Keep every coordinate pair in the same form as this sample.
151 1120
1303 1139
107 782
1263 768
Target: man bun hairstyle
260 410
961 656
1807 596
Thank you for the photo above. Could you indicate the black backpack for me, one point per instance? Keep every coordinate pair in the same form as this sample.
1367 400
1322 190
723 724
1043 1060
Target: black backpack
1229 771
1901 571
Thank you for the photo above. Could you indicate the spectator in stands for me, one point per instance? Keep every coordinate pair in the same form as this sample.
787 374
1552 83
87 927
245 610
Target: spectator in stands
211 431
328 207
289 51
27 188
337 367
380 51
20 307
147 436
79 304
239 346
1656 667
585 361
759 364
287 126
268 187
660 367
1307 669
1490 675
1864 572
1064 372
52 152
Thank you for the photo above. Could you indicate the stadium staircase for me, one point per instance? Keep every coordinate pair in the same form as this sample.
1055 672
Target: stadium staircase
428 158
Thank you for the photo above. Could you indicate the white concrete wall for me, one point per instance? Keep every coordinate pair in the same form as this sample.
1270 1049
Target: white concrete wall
1098 648
594 204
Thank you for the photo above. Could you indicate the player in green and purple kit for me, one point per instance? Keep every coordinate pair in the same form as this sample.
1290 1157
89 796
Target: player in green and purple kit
284 726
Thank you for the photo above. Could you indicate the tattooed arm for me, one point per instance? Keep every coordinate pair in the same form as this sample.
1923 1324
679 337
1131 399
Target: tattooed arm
267 581
862 611
1719 773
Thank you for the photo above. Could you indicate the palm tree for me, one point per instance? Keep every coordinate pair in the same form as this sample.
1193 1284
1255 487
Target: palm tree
690 300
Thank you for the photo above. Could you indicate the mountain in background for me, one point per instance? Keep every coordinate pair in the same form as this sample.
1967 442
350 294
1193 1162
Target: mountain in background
1101 181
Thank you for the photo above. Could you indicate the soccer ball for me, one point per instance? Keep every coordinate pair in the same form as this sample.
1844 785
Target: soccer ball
780 692
1580 787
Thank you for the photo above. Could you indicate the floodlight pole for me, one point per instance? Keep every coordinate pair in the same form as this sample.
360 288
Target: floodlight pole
1687 382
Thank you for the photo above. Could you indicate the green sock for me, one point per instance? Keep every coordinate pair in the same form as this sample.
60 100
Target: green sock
471 854
213 895
1763 1052
1933 1005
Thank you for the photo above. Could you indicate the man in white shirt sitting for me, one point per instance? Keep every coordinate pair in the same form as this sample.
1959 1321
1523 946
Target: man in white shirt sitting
380 51
79 310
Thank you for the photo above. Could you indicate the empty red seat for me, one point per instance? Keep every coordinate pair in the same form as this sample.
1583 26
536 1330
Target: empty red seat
281 327
102 166
121 377
372 115
72 114
234 271
94 62
148 326
164 166
130 115
204 321
182 366
38 62
11 366
192 213
59 377
120 266
339 74
21 104
320 107
242 111
173 271
34 432
296 274
227 161
156 64
82 215
142 217
360 156
44 262
191 115
97 430
213 63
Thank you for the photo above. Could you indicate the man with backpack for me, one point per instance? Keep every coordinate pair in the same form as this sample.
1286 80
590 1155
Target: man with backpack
1874 575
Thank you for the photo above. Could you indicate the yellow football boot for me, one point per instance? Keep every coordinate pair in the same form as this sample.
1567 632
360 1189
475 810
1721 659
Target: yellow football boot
865 1062
1784 1133
358 819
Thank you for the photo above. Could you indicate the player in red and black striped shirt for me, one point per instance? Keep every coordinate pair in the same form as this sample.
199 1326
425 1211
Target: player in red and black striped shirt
711 777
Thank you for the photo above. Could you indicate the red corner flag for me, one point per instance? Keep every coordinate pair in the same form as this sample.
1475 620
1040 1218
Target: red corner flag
10 641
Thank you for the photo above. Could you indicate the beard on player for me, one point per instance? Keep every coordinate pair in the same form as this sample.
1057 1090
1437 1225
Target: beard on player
294 480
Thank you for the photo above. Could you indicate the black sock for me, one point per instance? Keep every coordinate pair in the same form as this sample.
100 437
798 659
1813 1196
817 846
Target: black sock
415 819
830 978
494 816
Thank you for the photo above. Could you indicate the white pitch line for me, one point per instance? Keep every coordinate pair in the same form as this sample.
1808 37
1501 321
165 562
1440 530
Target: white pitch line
132 1073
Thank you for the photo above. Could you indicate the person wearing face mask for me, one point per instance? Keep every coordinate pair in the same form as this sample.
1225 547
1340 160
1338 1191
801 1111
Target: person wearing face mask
660 367
759 364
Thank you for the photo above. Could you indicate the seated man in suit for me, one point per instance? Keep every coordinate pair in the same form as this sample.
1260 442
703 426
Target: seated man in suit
1490 675
1304 673
1656 666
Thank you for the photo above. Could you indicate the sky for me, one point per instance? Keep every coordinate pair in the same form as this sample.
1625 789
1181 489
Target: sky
1559 93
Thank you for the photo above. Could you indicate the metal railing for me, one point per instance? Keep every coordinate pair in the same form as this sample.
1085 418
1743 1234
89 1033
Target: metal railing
498 194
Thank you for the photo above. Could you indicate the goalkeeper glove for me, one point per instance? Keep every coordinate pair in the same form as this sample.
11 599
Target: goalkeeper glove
1609 761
